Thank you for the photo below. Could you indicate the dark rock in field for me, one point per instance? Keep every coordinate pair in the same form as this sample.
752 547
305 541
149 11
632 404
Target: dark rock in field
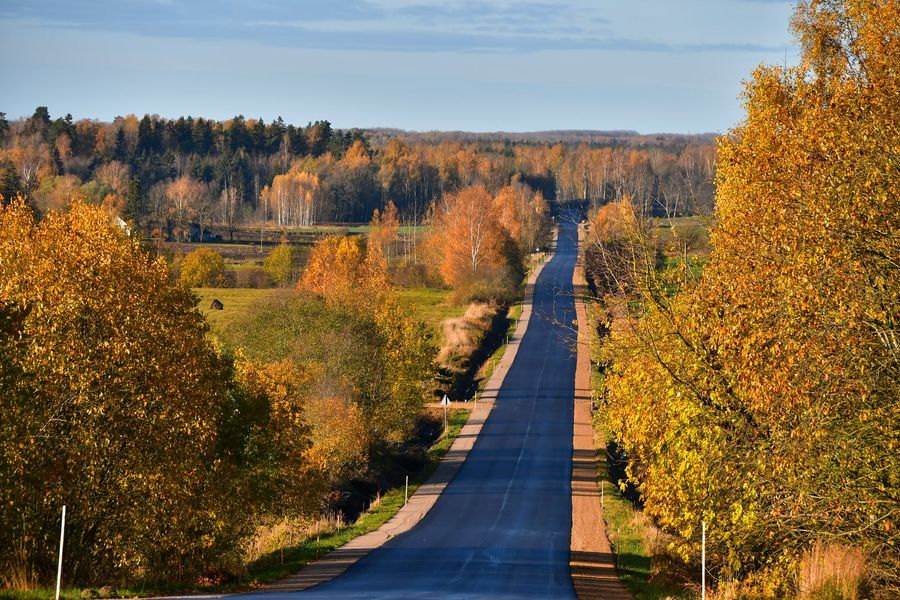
216 305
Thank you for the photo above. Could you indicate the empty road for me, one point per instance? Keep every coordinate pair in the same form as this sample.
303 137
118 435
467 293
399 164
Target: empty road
501 527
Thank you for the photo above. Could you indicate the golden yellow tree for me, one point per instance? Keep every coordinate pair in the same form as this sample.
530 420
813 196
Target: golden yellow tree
347 273
293 197
764 400
110 399
384 228
203 267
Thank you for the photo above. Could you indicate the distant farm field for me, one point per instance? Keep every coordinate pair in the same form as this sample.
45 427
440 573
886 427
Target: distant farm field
235 301
429 305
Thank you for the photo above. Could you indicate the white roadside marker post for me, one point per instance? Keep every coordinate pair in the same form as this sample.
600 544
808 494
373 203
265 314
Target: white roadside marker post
703 562
445 403
406 491
62 537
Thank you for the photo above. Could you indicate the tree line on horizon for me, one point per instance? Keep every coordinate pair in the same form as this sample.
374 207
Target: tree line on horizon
163 174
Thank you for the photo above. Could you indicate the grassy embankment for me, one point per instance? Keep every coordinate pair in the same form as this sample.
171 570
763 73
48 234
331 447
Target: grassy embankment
282 563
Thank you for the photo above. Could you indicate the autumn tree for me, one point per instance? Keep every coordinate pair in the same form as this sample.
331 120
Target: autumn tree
347 273
763 400
473 250
351 277
31 156
524 214
116 175
100 359
619 254
183 194
203 267
281 264
115 205
57 192
384 228
293 197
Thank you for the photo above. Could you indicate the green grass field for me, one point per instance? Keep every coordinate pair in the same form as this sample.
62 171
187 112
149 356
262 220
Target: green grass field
430 305
235 300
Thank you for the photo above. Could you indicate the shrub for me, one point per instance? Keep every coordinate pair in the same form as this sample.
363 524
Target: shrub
281 265
203 268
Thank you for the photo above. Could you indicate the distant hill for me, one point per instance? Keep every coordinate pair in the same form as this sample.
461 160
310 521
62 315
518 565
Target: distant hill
623 137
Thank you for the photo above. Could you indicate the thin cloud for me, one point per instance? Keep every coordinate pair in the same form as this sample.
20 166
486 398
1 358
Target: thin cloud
470 26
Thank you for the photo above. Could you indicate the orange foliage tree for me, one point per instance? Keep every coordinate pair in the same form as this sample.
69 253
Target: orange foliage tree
347 273
384 228
468 238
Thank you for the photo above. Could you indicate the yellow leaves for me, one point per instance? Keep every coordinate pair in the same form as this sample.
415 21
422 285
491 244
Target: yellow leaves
384 228
108 375
293 197
771 368
339 436
347 273
280 265
203 267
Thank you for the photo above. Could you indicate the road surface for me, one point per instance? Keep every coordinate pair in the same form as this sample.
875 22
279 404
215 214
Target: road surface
501 527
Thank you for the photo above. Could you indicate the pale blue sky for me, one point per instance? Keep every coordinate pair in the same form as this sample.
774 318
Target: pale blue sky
477 65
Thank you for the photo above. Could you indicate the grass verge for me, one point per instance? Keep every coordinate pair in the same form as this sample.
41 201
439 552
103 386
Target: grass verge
630 534
487 369
278 565
430 305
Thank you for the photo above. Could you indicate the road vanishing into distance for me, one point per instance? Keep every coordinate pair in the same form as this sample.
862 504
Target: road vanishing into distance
501 527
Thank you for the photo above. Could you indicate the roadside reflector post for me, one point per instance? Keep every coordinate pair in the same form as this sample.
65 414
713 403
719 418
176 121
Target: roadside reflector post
406 491
62 538
703 561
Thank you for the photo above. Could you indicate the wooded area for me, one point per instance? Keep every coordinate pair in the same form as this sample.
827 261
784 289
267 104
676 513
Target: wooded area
161 174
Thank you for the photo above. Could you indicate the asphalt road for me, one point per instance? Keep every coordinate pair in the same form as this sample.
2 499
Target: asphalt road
501 528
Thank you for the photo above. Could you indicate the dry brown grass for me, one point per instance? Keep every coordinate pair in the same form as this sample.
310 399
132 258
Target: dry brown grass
287 533
462 335
831 571
15 572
